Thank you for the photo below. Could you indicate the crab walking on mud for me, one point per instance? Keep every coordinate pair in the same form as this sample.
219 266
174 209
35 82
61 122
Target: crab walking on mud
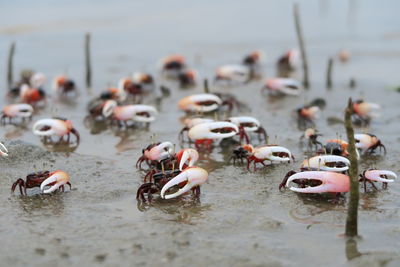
190 178
56 180
124 114
57 126
260 154
155 153
373 175
368 143
16 111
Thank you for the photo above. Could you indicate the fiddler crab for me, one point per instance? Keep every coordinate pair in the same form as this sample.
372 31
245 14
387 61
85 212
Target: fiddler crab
246 125
160 157
287 63
311 135
190 179
368 143
137 86
364 111
64 86
56 180
203 103
187 78
374 175
335 147
324 163
260 154
16 111
205 134
333 182
282 86
31 95
233 75
172 66
3 150
122 115
61 127
306 115
155 153
254 62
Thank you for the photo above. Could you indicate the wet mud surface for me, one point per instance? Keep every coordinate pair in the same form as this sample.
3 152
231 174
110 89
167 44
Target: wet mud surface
241 218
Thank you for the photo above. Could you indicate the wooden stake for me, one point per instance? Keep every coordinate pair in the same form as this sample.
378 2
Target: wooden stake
329 74
87 62
206 88
352 211
301 44
10 79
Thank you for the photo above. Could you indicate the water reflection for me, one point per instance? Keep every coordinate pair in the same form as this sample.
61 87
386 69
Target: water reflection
16 131
184 210
352 249
43 204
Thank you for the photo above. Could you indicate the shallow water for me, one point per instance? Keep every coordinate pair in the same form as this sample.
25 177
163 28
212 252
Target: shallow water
241 218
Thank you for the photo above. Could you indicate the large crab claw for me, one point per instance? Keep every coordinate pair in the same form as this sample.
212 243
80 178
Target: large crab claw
21 110
160 152
56 180
3 150
380 176
331 182
366 109
200 103
249 124
193 177
187 156
47 127
283 85
139 113
109 107
327 163
271 153
213 130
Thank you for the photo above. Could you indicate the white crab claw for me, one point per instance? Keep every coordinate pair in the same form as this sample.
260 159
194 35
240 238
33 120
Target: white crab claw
37 80
330 182
109 107
284 85
267 153
47 127
246 120
21 110
3 150
193 177
210 130
189 154
320 163
200 103
239 73
376 175
139 113
56 180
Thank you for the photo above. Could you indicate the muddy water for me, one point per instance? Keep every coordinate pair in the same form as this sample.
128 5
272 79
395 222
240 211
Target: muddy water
241 218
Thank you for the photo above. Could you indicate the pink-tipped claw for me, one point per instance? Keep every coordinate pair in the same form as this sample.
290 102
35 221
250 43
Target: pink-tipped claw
376 175
331 182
